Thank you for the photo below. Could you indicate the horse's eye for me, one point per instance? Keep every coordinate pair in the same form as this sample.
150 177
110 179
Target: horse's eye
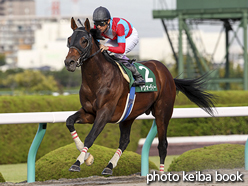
84 43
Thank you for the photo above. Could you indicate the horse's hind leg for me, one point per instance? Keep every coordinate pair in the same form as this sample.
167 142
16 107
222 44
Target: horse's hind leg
163 117
163 143
125 128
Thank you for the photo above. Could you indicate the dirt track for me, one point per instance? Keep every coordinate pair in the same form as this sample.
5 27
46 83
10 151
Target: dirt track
136 180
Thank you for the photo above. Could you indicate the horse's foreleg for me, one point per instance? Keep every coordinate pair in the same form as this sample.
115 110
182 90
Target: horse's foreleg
125 128
95 131
78 117
71 120
79 144
99 124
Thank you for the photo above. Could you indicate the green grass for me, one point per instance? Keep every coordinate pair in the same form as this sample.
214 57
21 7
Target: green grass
14 172
18 172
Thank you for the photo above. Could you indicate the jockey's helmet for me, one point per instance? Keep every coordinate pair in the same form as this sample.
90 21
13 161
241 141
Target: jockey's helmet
101 14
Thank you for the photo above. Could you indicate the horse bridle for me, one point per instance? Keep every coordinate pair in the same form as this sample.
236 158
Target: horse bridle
75 43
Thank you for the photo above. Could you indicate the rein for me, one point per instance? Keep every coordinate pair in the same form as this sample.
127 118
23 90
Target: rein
84 59
84 52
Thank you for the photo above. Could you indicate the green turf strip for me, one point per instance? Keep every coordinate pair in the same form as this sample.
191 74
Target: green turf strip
18 172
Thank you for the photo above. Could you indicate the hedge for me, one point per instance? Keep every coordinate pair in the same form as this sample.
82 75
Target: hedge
222 156
55 164
15 140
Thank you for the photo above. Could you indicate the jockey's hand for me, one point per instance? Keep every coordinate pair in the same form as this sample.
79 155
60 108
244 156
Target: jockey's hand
103 47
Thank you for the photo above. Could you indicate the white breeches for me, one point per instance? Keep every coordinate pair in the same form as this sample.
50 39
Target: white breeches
131 42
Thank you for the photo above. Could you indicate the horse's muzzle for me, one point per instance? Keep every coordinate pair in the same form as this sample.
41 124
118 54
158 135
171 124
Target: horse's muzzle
70 65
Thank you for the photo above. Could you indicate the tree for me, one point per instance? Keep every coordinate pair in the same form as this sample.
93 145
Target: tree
67 79
2 60
31 81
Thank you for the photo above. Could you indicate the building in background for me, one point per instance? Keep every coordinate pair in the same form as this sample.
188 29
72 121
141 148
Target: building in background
16 28
49 50
17 7
31 41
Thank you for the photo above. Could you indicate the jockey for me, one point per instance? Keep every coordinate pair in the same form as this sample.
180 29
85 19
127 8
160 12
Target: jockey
122 36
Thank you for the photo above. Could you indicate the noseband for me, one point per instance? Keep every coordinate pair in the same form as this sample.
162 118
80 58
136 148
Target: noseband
75 43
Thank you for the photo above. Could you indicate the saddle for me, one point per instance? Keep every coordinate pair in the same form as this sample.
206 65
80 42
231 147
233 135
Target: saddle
150 85
116 61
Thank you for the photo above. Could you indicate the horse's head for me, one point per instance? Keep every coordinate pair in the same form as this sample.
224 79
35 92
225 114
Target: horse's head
79 44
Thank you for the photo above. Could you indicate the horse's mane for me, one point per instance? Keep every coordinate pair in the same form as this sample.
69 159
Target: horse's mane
96 34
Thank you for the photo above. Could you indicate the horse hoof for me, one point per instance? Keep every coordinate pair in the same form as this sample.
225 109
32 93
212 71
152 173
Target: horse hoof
89 161
74 168
107 171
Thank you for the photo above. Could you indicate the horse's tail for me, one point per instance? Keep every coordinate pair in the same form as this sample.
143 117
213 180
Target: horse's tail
194 90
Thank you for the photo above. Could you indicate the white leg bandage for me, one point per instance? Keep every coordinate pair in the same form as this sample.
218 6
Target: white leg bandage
161 168
81 157
116 157
78 142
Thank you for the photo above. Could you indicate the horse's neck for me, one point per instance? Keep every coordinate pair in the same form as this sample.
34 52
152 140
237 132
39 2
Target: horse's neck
97 70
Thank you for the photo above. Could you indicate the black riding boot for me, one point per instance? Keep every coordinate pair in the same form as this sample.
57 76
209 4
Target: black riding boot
139 81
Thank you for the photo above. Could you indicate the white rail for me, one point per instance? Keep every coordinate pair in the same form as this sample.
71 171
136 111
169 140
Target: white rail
57 117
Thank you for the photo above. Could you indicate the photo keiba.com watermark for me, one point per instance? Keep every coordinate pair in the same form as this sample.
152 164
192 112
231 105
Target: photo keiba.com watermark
196 177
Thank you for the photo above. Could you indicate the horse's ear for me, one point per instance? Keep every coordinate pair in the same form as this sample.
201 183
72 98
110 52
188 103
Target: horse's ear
73 24
87 25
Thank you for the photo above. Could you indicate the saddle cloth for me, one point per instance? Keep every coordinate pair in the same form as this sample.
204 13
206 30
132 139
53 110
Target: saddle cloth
146 73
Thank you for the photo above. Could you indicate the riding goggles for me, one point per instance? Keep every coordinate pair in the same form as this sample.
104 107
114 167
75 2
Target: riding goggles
100 23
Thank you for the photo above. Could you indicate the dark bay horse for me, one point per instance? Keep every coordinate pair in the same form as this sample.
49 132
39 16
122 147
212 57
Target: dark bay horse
104 91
